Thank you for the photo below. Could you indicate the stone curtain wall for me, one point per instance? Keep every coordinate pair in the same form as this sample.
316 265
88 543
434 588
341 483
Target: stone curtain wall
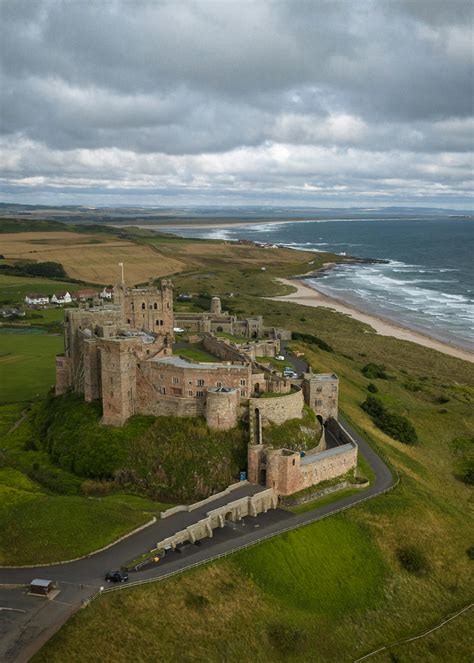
223 350
279 409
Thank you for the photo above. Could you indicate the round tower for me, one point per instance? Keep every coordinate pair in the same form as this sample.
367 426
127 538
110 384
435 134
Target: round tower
222 408
216 306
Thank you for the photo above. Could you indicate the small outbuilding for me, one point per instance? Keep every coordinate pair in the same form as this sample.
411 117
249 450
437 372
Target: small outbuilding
42 587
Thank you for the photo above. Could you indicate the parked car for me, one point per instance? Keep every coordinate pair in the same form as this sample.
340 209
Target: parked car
280 358
116 576
290 374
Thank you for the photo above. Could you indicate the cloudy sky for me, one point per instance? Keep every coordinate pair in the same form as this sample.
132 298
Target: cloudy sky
324 102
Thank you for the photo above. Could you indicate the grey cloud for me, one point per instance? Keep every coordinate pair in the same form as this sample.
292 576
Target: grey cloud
172 81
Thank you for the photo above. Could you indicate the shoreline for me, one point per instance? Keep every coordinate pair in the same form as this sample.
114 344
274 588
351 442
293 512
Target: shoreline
309 296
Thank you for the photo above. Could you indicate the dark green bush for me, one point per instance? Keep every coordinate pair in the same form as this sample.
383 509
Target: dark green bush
395 425
375 371
470 552
463 450
413 560
398 427
373 406
52 270
372 388
312 340
287 639
197 601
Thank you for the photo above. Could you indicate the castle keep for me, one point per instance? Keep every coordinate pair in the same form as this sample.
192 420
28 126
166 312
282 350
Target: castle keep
122 354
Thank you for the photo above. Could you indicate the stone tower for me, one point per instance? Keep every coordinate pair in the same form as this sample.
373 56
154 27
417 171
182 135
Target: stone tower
216 306
321 393
118 377
222 408
147 309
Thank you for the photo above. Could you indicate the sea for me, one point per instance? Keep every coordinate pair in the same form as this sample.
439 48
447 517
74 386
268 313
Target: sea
427 283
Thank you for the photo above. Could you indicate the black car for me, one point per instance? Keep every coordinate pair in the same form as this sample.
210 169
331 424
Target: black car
116 576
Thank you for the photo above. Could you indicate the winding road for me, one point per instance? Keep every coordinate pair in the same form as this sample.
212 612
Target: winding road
34 620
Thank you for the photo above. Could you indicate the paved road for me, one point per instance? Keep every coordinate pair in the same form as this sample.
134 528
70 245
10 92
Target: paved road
81 579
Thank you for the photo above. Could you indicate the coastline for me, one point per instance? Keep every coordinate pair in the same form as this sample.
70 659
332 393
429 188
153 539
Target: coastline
309 296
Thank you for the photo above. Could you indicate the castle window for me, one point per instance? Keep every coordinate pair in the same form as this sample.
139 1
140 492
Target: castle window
200 383
199 393
294 461
175 380
176 392
218 384
128 320
143 306
157 323
155 306
190 393
243 383
319 390
318 403
163 391
161 323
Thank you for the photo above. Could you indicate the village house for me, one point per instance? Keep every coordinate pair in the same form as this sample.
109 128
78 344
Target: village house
61 298
84 295
36 299
107 293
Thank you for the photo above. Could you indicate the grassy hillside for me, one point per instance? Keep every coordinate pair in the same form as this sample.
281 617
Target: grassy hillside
166 458
342 587
44 514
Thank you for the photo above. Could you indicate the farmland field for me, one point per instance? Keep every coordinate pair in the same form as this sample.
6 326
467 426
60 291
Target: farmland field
90 258
27 365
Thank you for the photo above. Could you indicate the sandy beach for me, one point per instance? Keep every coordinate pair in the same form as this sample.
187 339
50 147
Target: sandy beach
307 296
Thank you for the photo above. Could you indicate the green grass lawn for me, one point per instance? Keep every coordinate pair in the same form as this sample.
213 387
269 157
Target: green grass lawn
13 289
38 526
27 365
196 354
300 569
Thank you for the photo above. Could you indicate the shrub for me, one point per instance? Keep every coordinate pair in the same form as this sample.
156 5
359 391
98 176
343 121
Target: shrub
372 388
375 371
312 340
196 601
463 450
398 427
413 560
287 639
470 552
395 425
464 471
373 406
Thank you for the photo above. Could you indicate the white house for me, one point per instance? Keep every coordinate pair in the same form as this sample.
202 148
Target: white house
37 299
107 293
61 298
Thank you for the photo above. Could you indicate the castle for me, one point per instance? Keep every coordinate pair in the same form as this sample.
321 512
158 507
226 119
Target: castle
122 354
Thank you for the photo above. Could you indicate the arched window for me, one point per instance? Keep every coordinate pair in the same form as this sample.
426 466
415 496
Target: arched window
143 306
155 306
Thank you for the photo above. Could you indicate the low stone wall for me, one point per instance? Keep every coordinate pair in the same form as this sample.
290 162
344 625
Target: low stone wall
223 350
192 507
316 494
233 511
